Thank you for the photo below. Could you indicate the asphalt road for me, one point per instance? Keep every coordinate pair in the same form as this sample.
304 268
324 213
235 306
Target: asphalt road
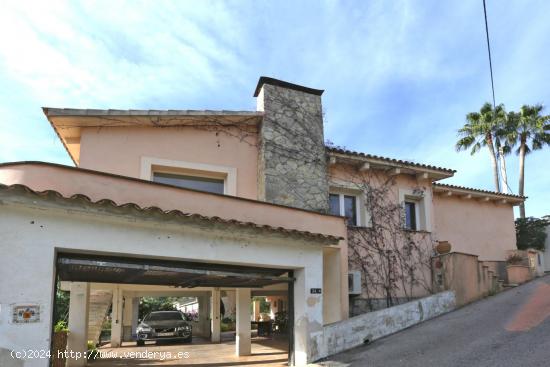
507 330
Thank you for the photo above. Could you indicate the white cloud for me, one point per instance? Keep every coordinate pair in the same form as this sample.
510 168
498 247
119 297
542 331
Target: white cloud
399 76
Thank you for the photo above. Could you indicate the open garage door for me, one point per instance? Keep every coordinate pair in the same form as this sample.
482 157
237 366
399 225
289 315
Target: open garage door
155 275
124 270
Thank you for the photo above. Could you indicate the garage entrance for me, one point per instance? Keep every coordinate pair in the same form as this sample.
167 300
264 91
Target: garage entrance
124 279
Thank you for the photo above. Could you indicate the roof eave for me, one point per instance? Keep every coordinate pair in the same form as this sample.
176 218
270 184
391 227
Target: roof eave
483 195
134 209
434 174
46 110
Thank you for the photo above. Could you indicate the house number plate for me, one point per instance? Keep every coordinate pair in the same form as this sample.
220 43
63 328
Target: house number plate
315 290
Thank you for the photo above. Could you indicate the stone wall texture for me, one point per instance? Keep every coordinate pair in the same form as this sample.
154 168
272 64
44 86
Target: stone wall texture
292 163
355 331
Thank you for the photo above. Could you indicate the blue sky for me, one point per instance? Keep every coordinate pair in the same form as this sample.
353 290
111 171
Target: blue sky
399 76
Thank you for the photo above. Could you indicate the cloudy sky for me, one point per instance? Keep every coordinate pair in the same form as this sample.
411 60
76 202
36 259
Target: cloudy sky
399 76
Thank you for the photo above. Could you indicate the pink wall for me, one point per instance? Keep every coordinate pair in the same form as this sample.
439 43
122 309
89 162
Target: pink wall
474 227
71 181
119 150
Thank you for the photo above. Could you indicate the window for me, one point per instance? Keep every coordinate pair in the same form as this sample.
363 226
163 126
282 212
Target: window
151 167
410 215
416 204
334 202
191 182
344 205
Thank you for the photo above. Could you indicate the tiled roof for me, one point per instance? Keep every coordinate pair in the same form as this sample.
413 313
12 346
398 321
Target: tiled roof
390 160
488 192
52 194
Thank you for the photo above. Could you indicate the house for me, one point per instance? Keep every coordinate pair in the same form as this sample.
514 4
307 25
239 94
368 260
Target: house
209 203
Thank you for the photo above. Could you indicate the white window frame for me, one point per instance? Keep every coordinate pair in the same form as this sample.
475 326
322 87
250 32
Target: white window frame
151 165
422 207
363 217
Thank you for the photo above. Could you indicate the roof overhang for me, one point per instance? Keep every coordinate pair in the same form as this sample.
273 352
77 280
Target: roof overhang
394 166
477 194
69 122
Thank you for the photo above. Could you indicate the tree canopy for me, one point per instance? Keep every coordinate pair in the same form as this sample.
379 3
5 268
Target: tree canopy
531 233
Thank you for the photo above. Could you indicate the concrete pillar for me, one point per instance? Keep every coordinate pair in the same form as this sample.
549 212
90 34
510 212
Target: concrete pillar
229 303
127 317
215 317
116 318
204 315
308 312
135 316
242 343
332 305
79 307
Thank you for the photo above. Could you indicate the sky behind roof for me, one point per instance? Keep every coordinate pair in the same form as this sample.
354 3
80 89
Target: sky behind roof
398 76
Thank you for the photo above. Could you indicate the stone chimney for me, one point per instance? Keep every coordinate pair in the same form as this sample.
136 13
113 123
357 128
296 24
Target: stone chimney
292 166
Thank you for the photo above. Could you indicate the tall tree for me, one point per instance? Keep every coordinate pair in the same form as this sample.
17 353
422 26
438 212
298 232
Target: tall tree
480 131
531 131
506 125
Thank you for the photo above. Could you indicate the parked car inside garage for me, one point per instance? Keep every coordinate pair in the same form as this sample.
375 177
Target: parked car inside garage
161 325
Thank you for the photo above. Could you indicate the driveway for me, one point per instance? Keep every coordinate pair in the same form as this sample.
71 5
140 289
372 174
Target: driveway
201 353
507 330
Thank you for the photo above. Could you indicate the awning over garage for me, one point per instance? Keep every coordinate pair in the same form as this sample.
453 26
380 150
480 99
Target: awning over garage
125 270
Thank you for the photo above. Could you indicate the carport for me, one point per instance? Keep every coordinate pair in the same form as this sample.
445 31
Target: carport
89 228
81 270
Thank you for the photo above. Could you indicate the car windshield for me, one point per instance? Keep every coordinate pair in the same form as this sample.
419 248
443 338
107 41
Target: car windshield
164 316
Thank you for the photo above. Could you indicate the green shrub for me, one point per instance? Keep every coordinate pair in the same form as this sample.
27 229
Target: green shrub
61 326
92 353
531 233
515 259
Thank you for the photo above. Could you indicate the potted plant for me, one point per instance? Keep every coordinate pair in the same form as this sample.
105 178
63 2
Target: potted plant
60 333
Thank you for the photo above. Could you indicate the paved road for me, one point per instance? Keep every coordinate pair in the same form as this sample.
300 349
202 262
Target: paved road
508 330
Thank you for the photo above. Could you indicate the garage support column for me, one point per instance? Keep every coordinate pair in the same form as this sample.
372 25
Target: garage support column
116 320
215 309
79 307
204 316
242 342
127 314
135 316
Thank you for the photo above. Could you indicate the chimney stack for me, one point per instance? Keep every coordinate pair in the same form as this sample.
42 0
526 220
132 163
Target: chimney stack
292 166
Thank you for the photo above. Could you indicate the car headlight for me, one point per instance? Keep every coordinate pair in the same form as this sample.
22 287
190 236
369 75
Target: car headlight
184 327
143 328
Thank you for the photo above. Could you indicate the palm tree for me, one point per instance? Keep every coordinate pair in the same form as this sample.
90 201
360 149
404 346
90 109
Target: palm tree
480 131
504 128
531 131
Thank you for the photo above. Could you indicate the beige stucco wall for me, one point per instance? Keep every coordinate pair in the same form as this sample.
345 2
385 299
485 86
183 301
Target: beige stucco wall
347 178
474 227
119 150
